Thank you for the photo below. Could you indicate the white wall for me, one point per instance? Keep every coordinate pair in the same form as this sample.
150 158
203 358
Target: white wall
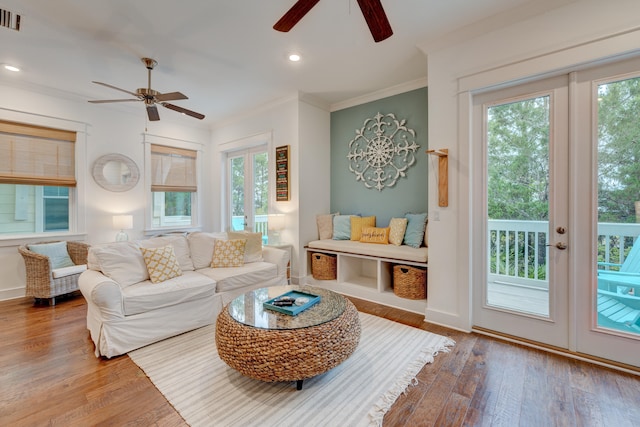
103 129
305 128
574 34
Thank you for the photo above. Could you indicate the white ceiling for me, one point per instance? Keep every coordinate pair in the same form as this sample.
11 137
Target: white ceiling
224 54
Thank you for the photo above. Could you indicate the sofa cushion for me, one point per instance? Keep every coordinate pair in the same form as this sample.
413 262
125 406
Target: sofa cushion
228 253
162 263
180 248
146 296
239 277
57 253
201 247
253 248
122 262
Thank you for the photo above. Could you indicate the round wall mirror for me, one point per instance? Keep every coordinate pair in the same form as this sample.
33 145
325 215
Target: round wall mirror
115 172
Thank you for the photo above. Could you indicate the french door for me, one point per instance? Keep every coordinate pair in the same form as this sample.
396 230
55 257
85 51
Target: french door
524 134
558 174
248 186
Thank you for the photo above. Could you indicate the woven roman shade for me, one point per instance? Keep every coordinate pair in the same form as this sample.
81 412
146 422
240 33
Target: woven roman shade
36 155
173 169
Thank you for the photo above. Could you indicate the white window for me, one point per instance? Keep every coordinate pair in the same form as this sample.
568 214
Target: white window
173 187
37 178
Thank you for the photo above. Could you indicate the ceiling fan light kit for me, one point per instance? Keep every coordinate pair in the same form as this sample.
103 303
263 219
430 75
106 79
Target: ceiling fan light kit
151 97
372 11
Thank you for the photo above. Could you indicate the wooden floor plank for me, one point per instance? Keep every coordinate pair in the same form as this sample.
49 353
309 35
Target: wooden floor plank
50 376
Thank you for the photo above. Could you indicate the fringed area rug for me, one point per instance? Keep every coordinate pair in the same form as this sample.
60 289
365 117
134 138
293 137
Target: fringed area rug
206 392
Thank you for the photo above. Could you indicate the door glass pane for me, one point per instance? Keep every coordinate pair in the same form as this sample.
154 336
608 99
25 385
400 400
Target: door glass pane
237 193
261 193
518 205
618 297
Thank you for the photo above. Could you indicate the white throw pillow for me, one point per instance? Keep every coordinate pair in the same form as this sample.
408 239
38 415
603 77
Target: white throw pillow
253 249
122 262
180 248
201 247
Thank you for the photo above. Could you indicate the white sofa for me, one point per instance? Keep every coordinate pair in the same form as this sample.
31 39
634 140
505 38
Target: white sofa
127 311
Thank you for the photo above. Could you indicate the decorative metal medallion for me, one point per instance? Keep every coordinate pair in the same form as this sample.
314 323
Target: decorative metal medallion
382 151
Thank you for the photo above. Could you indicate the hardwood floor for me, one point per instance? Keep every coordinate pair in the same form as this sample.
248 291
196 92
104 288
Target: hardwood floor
50 376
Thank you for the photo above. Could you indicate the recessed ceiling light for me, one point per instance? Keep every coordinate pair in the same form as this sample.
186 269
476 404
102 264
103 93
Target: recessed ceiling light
11 68
294 57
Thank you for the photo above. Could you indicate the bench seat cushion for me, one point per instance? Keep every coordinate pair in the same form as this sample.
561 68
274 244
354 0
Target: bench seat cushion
403 252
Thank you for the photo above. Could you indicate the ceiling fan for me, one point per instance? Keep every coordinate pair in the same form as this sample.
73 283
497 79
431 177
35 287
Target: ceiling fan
151 97
371 9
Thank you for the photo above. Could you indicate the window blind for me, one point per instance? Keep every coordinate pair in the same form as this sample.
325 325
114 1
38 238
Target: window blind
36 155
173 169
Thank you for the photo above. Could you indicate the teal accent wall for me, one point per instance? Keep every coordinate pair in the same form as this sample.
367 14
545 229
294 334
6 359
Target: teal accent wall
409 194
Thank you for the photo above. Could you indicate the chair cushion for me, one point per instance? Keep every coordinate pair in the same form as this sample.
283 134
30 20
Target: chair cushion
56 252
68 271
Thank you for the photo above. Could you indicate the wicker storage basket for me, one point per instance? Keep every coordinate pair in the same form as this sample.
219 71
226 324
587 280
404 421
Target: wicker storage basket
409 282
323 266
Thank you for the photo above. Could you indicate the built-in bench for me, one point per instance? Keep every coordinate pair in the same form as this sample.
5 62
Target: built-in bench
365 270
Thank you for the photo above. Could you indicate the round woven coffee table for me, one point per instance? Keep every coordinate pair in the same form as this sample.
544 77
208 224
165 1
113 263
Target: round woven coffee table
270 346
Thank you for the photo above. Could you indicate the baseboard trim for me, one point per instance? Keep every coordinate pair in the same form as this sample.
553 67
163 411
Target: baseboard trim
630 369
13 293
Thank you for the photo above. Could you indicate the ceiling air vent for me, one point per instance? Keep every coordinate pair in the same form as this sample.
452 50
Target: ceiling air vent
9 20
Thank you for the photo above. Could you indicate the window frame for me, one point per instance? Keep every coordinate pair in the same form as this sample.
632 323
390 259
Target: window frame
196 196
77 199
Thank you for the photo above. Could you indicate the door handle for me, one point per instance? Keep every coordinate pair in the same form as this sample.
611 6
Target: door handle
560 245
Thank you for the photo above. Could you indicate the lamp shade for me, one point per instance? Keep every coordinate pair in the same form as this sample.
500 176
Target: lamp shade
123 222
276 222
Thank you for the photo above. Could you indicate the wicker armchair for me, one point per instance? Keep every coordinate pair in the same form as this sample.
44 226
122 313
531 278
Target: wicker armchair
41 282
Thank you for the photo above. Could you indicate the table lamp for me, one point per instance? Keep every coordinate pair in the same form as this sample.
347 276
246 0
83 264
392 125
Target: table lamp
123 222
275 224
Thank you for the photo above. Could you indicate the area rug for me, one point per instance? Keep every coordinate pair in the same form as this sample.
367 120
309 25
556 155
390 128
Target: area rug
206 392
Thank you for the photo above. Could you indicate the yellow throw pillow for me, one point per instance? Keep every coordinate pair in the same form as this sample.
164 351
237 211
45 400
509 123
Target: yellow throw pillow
162 263
397 228
358 223
228 253
375 235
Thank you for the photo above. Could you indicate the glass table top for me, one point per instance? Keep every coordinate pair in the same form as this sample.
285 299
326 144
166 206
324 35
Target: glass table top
248 309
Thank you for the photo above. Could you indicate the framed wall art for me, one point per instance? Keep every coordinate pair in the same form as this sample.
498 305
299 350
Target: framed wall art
282 174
